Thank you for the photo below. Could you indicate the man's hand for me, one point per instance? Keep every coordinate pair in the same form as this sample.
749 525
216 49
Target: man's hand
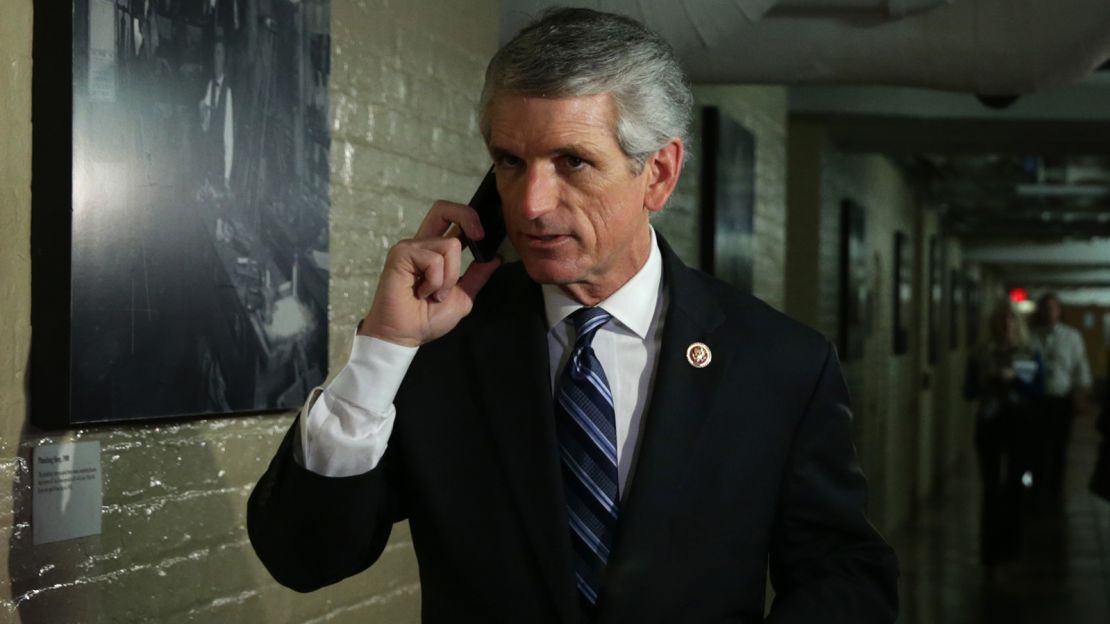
421 295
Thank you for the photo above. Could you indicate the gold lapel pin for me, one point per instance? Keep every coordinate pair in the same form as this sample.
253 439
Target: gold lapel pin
698 355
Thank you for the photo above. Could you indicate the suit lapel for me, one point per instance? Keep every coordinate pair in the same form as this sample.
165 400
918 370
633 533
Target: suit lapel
681 399
515 390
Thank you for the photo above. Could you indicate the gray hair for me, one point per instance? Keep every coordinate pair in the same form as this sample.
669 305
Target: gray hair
581 52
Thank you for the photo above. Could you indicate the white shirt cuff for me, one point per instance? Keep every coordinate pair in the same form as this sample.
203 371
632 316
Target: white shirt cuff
346 426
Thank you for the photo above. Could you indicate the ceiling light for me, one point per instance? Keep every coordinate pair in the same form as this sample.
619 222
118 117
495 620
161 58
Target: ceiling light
1063 190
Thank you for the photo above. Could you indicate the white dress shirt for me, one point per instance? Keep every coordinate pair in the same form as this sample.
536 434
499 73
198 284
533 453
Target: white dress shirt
345 427
1065 359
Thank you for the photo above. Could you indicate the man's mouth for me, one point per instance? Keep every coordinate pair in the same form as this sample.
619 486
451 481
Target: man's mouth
542 240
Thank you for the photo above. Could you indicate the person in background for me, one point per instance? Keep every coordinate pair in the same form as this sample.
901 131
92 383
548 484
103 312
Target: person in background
1007 377
217 123
1067 382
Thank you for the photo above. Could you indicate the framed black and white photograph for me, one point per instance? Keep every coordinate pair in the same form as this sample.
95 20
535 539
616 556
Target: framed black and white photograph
180 223
728 199
902 292
853 281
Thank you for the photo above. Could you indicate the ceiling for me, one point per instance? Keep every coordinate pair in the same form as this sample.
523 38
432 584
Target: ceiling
998 110
1022 197
1026 187
1035 169
994 47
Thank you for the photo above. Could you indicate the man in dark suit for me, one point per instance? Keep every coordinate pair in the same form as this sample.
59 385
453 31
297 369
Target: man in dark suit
596 432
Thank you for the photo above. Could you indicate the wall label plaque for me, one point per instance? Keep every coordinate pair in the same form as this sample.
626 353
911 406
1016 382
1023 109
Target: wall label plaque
68 491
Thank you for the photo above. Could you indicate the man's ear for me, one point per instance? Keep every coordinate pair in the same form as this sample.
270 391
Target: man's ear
662 168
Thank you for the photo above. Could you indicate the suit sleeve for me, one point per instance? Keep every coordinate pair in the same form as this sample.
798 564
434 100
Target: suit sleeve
311 530
827 563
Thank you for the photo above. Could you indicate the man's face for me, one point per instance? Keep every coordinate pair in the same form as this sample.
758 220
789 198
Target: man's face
574 210
1052 311
219 57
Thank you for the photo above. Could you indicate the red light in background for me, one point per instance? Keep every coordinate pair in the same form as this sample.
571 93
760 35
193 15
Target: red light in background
1017 295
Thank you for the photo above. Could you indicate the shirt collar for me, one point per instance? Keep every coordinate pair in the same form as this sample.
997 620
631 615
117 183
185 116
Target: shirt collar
633 305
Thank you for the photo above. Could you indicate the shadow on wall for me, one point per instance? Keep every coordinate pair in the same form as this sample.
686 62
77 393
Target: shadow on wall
173 546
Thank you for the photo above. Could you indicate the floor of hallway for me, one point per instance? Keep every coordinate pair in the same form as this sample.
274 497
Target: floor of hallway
1062 575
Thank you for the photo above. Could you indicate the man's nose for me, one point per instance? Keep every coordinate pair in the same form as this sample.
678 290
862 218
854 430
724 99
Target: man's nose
537 192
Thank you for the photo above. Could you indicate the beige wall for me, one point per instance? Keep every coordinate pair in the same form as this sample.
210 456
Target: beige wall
762 110
15 272
882 384
405 80
953 412
907 435
805 151
946 420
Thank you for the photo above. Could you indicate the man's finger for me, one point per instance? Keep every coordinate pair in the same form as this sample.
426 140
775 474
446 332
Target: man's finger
428 266
476 276
452 262
443 214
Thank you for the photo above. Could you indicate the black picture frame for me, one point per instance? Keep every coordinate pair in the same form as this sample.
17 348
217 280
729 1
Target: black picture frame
853 281
902 293
179 229
727 199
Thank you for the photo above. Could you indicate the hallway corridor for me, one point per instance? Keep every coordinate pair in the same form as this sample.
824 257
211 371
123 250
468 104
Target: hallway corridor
1061 577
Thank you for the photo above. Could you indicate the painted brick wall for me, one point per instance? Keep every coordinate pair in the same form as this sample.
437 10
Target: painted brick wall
15 275
946 419
907 436
952 411
405 89
882 384
762 110
405 82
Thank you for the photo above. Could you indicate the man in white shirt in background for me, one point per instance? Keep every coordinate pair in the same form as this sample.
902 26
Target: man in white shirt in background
1067 385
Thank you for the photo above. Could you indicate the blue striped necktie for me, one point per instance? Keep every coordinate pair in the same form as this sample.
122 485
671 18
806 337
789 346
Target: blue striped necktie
587 434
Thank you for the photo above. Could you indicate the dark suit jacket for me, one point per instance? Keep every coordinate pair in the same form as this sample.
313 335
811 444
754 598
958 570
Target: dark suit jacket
747 460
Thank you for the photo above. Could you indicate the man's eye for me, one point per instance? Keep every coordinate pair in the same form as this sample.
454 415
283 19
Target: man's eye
575 162
507 161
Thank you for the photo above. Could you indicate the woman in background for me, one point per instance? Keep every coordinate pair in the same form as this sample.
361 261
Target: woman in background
1007 374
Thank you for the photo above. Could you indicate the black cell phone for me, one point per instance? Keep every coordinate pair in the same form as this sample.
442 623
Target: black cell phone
487 202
